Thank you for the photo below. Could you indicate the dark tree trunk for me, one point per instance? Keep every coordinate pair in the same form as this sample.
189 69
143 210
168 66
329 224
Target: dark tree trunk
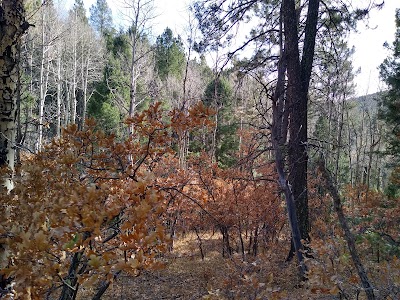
226 247
104 285
337 204
280 107
297 152
255 242
70 286
200 243
299 74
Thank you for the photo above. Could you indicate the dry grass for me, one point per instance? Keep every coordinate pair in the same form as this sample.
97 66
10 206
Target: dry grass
186 276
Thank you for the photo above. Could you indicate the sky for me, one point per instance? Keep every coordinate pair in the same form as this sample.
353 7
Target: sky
368 41
169 13
369 50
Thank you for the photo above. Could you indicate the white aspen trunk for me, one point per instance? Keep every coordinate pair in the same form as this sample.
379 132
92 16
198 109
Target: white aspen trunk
73 91
85 62
44 78
41 82
12 18
214 139
329 138
132 92
68 104
359 147
59 83
134 41
378 163
184 139
349 143
85 90
74 81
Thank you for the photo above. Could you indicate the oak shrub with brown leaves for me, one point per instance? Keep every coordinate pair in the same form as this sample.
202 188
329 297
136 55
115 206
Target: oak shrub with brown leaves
87 207
241 204
374 220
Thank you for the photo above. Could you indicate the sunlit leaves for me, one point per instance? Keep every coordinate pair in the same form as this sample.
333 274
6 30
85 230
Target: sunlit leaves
87 206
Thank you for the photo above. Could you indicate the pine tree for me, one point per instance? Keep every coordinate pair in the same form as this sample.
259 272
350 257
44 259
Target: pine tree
170 57
101 16
219 96
390 103
79 11
390 106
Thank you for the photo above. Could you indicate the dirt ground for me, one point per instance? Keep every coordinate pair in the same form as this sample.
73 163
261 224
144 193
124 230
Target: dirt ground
187 277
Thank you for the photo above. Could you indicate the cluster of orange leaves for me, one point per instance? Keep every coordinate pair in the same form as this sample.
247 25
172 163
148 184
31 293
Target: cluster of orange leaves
243 199
93 197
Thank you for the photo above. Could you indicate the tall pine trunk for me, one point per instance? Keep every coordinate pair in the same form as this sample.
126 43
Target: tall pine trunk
299 74
279 136
298 81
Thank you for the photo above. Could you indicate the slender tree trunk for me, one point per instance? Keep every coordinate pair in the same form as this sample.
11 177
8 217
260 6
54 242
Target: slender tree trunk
43 91
214 139
134 43
184 139
85 89
375 142
226 247
59 86
347 233
329 101
339 138
68 105
132 92
104 285
349 154
183 143
77 266
200 243
19 138
359 147
74 100
71 285
378 162
241 240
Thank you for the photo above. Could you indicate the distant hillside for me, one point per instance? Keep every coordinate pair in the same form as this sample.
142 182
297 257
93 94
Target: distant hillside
367 102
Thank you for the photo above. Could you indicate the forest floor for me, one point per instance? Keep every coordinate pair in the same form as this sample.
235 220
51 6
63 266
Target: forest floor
188 277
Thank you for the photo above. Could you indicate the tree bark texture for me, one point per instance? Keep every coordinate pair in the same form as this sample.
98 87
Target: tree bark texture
12 27
298 74
279 135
